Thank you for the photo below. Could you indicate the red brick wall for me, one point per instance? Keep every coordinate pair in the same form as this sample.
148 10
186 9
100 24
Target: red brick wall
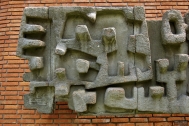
12 87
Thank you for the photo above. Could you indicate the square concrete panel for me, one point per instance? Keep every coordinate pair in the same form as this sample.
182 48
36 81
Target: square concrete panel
105 60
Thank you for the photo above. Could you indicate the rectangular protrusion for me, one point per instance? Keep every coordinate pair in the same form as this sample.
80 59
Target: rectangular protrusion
36 63
156 91
142 44
181 62
129 13
90 97
34 84
36 12
120 71
139 13
162 65
131 44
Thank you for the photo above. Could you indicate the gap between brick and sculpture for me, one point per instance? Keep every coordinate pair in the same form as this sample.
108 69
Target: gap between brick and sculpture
105 60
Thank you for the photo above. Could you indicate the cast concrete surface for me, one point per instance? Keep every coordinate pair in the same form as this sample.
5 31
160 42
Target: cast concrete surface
105 60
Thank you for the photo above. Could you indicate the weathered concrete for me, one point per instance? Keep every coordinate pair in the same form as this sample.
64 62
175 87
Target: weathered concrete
105 60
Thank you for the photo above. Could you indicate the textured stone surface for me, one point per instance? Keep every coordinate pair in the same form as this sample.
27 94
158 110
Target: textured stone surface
115 98
155 102
176 36
105 60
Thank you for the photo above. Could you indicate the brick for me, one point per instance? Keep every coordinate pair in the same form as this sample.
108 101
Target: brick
30 116
10 74
63 107
120 120
161 115
138 120
25 111
67 116
147 0
8 102
16 2
126 124
130 0
109 124
82 121
62 120
156 119
7 121
63 111
102 4
115 1
11 124
143 115
180 7
86 4
10 116
49 116
25 120
144 124
163 124
105 116
153 11
7 111
24 83
10 57
183 3
135 4
64 1
20 102
48 1
69 125
119 4
14 88
96 1
81 1
12 107
2 88
11 66
100 120
169 3
175 118
9 83
164 7
14 79
179 114
43 121
13 97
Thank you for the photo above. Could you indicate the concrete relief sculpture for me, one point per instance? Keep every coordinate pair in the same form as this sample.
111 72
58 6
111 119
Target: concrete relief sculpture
105 60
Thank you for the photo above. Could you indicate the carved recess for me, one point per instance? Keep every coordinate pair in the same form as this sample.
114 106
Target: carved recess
105 60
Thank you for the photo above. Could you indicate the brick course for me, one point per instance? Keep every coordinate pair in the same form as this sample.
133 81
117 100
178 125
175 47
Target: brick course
12 87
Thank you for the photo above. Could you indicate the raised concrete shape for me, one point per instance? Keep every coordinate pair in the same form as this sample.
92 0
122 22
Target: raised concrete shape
177 34
105 60
115 98
155 102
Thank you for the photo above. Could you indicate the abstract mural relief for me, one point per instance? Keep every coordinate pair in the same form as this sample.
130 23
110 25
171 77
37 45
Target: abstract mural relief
105 60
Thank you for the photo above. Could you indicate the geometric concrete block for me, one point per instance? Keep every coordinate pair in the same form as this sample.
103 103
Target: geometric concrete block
82 98
169 36
156 91
155 102
109 39
170 78
61 49
82 65
42 100
115 98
